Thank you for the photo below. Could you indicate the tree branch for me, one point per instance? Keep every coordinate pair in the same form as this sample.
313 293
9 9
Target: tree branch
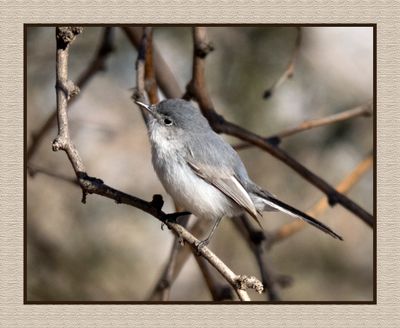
219 292
90 185
172 270
197 89
288 73
344 186
363 110
164 76
96 65
256 239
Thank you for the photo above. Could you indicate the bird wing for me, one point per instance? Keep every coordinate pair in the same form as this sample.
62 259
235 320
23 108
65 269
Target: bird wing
227 183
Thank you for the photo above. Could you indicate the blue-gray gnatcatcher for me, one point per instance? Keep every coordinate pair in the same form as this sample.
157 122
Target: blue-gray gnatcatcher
202 172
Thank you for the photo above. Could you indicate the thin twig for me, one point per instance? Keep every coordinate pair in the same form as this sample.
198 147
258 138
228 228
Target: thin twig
344 186
171 272
256 239
95 66
34 169
219 291
197 89
89 185
162 288
363 110
288 73
165 283
164 76
145 81
150 79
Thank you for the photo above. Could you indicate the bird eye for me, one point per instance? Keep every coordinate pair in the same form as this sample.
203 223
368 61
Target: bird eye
167 121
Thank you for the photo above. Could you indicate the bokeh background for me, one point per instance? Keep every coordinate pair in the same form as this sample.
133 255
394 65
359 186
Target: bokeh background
102 251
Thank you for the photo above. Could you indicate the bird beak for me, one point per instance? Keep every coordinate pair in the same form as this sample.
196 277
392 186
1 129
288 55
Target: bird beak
146 107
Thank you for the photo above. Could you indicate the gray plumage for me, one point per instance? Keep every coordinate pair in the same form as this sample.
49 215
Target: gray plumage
202 172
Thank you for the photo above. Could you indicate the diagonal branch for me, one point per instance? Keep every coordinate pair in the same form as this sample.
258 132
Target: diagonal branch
197 89
363 110
90 185
288 73
344 186
172 270
256 239
219 291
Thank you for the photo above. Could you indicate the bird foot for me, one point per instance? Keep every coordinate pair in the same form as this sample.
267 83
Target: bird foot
200 245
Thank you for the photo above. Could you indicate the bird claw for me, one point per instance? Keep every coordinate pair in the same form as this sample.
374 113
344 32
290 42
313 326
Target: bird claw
172 217
200 245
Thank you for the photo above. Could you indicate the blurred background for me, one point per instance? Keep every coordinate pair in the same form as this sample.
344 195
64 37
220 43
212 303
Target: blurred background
102 251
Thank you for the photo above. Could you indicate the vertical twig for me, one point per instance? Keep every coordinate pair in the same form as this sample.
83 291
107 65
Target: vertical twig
256 239
65 88
95 66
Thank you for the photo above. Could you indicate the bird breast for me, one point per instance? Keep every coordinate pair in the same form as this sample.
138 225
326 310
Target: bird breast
185 187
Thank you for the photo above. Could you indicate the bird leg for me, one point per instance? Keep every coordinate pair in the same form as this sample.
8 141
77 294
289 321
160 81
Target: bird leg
206 241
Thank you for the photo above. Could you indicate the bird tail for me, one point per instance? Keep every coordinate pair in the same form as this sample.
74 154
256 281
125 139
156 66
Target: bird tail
285 208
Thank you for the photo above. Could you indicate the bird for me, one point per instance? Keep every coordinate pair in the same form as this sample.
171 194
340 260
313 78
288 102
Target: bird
203 173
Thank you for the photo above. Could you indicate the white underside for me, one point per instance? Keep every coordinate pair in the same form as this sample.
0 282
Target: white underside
185 187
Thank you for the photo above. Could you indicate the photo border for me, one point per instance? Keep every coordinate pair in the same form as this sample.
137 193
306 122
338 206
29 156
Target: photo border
385 14
373 301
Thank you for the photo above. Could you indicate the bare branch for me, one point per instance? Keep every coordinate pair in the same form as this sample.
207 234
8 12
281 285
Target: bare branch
344 186
164 76
150 82
219 292
34 169
288 73
95 66
256 239
363 110
162 288
89 185
172 270
197 89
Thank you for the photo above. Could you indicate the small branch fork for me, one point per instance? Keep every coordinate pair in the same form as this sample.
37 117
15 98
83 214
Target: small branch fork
363 110
91 185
